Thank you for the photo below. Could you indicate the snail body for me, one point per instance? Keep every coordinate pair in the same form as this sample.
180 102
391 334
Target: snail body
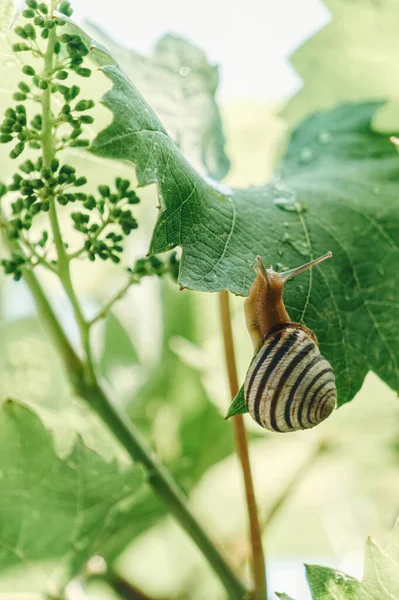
289 385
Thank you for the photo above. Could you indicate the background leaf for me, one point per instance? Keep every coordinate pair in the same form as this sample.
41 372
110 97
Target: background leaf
334 64
81 497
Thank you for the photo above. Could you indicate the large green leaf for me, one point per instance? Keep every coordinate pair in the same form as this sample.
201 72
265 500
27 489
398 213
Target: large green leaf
380 576
351 59
336 191
55 513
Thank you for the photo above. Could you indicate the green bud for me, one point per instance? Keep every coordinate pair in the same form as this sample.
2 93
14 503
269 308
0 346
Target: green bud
80 181
39 21
43 8
31 3
62 200
37 184
20 47
83 72
62 75
79 143
24 87
46 173
19 148
4 138
36 122
20 31
5 129
104 190
27 167
19 96
10 113
20 109
17 127
49 24
30 31
55 163
57 47
67 170
65 38
65 8
84 105
3 189
23 135
76 132
43 84
132 197
86 119
28 13
34 145
44 33
73 92
90 203
28 70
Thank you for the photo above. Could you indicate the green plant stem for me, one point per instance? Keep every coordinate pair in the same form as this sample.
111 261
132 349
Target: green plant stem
118 296
258 558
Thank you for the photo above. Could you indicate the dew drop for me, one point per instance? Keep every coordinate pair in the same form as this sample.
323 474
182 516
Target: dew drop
279 252
376 190
286 224
184 71
300 289
324 137
306 155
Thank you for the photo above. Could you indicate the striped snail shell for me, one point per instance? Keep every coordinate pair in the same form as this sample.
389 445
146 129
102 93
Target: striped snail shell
289 385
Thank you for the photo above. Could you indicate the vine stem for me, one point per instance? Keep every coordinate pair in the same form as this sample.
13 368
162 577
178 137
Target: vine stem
258 559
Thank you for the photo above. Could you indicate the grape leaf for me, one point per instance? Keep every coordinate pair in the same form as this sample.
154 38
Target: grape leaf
380 576
334 64
336 190
55 513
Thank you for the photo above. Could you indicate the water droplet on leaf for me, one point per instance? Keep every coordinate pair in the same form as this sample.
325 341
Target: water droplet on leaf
324 137
306 155
376 190
184 71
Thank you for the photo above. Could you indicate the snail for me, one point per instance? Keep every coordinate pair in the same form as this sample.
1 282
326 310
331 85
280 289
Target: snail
289 384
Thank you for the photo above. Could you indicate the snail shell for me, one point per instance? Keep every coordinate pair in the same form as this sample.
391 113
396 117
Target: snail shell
290 385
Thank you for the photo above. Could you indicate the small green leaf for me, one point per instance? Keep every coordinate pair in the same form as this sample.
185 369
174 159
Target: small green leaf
283 596
329 583
238 406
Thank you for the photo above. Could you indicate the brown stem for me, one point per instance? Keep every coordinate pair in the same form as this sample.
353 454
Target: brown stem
258 559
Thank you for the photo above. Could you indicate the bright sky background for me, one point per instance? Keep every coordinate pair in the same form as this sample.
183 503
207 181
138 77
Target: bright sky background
250 40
